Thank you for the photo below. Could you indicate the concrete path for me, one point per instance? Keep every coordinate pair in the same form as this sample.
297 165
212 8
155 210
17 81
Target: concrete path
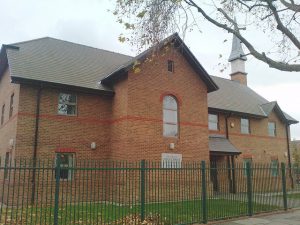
285 218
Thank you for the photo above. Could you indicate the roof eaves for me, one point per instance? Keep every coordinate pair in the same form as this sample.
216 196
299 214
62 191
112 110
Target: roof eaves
22 80
233 112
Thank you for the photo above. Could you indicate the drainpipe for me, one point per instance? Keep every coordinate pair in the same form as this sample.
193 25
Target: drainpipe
287 128
226 124
36 137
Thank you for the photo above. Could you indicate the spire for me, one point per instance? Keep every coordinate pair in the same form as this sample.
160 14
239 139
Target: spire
236 50
237 60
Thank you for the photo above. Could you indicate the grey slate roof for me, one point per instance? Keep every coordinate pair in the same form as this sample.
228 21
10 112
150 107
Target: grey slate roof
219 144
237 51
238 98
52 60
61 62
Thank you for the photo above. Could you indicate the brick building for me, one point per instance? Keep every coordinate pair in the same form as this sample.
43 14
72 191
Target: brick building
87 103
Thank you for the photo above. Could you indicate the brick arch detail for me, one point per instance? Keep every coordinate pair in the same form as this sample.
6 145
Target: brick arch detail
178 98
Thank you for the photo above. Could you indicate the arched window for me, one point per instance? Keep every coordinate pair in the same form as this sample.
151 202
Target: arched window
170 116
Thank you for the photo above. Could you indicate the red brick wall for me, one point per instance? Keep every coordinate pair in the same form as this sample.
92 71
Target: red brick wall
70 133
144 126
258 144
8 129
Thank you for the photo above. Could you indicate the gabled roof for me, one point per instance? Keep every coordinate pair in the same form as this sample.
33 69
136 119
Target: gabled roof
240 99
61 62
184 50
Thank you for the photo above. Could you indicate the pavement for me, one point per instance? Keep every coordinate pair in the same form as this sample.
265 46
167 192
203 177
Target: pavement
281 218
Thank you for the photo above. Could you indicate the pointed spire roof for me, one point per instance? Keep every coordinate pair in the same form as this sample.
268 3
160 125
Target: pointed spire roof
236 50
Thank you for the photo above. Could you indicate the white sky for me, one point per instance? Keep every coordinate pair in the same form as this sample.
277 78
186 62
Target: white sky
89 22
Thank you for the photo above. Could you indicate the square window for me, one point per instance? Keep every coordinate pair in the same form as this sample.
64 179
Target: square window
170 66
67 104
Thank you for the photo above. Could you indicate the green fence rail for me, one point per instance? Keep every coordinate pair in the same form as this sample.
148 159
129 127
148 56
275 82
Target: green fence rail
119 192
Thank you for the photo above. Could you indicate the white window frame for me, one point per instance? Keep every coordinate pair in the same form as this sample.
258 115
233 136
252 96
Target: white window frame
67 103
213 122
167 109
246 126
273 134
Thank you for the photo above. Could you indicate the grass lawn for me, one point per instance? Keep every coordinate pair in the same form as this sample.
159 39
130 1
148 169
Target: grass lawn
181 212
294 195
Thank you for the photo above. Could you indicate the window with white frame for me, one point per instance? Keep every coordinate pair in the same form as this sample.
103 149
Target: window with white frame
272 129
213 122
66 165
67 104
245 126
170 116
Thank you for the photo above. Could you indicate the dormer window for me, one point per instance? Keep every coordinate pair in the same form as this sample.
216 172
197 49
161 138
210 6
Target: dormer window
171 66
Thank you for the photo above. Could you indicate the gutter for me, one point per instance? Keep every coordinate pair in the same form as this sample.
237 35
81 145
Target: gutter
36 137
226 124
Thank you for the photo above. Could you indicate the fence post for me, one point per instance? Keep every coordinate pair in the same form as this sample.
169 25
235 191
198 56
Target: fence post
249 188
57 179
204 193
284 186
142 170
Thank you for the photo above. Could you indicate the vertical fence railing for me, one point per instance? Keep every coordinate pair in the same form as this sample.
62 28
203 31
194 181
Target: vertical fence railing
249 188
117 192
204 192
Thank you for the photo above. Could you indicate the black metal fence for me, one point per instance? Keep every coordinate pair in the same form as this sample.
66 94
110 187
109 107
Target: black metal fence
118 192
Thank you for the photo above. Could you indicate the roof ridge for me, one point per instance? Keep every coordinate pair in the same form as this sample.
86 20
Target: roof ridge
70 42
31 40
88 46
270 102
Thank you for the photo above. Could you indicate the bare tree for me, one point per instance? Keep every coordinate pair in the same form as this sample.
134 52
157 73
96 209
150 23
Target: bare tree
149 21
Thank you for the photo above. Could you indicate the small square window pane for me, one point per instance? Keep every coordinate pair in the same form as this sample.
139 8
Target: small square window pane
170 116
67 104
170 130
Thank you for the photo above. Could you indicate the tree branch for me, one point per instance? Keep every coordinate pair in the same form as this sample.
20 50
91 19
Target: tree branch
260 56
292 6
281 27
